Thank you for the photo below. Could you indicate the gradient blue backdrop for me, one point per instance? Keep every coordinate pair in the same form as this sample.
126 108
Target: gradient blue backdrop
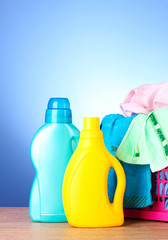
92 52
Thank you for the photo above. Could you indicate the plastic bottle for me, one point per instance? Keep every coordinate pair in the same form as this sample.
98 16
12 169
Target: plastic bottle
85 195
50 151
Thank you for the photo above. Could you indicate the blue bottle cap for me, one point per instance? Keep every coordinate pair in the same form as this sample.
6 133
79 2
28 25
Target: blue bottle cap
58 111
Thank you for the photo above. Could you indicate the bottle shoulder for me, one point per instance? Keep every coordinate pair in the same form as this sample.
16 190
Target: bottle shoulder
73 131
54 137
92 155
49 129
87 152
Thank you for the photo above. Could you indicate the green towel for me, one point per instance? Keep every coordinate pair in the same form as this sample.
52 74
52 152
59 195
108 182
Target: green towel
146 141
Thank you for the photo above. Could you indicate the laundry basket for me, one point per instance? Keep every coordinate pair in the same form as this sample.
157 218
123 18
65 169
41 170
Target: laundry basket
159 210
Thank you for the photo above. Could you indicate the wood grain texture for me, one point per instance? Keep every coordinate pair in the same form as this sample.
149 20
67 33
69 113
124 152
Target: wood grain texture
15 224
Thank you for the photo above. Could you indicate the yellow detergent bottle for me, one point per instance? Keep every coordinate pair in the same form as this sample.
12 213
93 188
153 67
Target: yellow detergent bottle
85 195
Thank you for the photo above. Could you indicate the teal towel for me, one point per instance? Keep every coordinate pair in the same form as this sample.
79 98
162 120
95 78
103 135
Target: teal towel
146 141
138 177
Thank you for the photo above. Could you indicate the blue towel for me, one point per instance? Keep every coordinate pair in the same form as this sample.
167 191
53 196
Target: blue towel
138 177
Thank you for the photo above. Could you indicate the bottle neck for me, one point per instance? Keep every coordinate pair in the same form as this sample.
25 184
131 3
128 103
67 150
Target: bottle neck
58 116
89 142
91 134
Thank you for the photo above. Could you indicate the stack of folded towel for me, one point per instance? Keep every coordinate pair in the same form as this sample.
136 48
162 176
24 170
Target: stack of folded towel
139 141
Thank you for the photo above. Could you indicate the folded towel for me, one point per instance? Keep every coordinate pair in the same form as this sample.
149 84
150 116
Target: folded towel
145 99
138 177
146 141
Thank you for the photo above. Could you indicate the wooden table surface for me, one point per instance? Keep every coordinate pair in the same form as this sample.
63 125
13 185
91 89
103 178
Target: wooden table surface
15 224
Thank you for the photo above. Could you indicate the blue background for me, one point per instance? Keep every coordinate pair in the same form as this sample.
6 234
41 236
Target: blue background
92 52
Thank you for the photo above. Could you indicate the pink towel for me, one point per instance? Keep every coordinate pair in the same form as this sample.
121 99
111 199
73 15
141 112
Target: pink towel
145 99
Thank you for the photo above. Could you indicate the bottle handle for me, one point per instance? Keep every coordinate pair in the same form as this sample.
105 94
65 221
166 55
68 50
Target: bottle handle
74 142
121 183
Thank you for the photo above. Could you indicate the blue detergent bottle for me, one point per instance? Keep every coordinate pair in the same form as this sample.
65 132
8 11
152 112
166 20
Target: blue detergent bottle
51 149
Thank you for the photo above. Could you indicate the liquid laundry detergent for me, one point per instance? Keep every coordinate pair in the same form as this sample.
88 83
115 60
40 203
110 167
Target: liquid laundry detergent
51 150
85 194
